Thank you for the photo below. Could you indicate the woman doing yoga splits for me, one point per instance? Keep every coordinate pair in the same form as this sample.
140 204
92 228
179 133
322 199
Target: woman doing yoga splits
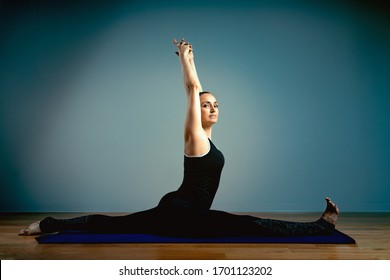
186 211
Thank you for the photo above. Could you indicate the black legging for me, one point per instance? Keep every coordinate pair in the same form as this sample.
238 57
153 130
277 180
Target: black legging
176 217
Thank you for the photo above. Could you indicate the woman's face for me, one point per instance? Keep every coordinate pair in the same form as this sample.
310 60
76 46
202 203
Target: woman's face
209 109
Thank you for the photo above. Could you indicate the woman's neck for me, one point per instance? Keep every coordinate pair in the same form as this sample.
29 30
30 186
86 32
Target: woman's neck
208 131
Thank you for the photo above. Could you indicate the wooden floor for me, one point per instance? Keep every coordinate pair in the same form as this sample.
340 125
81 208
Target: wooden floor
370 230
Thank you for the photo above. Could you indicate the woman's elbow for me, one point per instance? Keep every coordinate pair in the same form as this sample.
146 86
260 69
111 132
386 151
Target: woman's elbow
192 87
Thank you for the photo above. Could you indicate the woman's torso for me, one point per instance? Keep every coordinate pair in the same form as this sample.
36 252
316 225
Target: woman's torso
200 183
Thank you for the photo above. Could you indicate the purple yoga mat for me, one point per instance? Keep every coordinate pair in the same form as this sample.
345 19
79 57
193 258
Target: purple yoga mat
87 237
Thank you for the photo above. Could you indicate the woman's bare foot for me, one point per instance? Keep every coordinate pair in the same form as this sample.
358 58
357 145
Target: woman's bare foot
33 229
331 212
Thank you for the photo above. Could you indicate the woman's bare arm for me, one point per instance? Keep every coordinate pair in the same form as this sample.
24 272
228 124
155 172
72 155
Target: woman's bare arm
195 139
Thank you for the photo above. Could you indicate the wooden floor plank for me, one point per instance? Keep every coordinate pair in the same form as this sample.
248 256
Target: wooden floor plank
370 230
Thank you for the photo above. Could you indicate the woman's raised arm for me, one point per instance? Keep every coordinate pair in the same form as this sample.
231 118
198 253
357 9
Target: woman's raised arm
195 138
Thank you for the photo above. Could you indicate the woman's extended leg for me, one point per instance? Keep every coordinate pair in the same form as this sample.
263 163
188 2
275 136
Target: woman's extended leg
144 221
323 226
219 223
167 218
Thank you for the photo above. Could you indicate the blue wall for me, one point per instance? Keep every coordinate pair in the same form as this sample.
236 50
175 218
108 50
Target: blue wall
92 104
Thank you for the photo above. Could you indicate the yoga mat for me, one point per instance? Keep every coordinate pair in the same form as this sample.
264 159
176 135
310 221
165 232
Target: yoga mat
88 237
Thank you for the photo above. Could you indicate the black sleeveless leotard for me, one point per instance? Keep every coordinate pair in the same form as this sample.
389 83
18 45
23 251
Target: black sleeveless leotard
200 182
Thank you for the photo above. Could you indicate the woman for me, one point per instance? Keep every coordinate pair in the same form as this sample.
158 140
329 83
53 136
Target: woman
186 211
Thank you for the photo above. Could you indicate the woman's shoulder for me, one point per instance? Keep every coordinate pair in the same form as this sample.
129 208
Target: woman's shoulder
197 146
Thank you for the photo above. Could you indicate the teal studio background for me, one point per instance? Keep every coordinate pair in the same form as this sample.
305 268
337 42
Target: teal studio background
92 103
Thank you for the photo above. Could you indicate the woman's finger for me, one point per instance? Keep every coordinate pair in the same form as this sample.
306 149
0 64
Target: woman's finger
176 43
